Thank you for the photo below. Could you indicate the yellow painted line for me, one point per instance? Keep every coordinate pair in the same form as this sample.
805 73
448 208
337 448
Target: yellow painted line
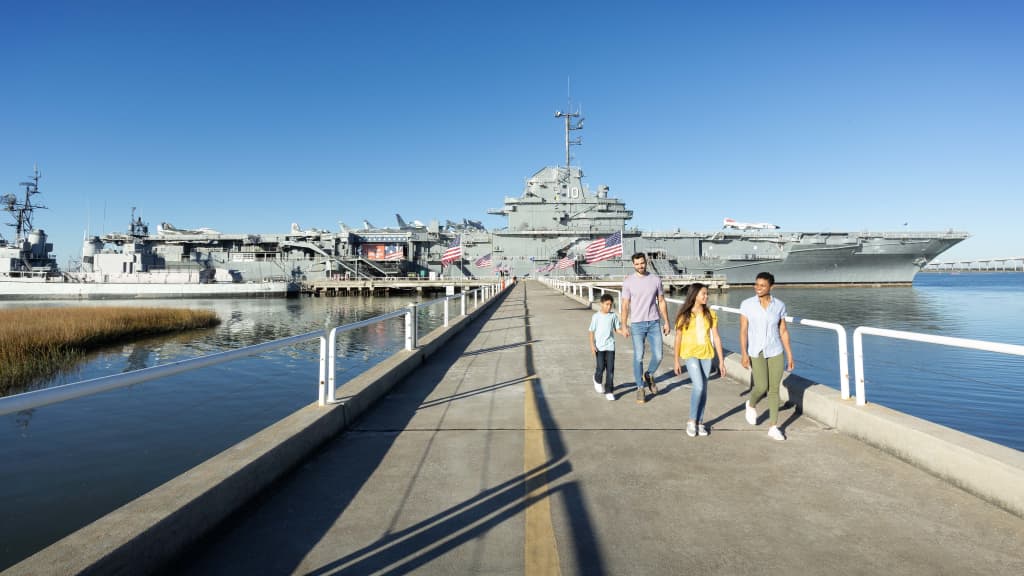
541 556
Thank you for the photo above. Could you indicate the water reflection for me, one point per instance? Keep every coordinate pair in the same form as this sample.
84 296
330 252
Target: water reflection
968 390
64 465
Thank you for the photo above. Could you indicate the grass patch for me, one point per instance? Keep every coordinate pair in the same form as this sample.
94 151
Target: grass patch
36 343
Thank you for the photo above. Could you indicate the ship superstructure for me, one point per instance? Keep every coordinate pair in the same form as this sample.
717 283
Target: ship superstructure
553 219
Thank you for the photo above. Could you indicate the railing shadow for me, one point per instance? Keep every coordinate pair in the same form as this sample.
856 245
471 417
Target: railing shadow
275 534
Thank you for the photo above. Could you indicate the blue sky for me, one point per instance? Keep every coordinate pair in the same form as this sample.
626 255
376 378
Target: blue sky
247 116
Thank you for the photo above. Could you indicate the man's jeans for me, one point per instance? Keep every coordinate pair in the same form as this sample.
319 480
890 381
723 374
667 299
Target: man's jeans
650 330
698 370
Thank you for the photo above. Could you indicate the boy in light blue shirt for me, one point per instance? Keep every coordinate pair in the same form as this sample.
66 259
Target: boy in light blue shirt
603 326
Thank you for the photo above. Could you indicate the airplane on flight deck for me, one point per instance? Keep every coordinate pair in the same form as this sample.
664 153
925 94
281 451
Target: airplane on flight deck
730 223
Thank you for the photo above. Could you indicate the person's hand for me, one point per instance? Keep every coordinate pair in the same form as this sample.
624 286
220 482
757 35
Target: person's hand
678 368
625 331
745 361
790 365
593 350
665 329
721 369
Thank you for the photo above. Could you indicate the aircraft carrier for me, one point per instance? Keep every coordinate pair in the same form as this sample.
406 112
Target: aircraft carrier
553 219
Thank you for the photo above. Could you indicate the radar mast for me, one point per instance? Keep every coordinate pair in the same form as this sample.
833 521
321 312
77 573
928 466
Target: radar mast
22 210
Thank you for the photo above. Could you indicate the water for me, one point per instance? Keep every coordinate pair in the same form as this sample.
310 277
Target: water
972 391
62 466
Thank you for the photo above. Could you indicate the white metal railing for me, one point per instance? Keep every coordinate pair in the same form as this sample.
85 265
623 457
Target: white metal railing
858 344
328 357
858 348
844 361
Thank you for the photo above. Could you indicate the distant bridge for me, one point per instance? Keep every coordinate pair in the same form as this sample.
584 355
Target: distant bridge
1013 264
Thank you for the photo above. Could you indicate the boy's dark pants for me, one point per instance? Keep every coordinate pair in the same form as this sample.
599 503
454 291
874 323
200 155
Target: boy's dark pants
606 364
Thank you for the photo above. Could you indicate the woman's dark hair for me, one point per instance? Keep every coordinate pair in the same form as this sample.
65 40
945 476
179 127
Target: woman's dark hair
686 310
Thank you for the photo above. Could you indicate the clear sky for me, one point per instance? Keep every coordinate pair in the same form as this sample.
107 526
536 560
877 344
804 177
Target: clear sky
247 116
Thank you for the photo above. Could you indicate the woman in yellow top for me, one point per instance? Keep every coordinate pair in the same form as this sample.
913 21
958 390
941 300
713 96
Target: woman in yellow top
696 329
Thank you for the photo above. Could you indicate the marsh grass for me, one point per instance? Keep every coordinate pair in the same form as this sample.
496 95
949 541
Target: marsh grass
36 343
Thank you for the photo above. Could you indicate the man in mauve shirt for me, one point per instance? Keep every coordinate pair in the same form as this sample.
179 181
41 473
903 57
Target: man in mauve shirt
643 310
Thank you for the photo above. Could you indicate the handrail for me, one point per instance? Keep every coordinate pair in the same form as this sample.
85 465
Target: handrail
844 361
56 394
858 348
842 346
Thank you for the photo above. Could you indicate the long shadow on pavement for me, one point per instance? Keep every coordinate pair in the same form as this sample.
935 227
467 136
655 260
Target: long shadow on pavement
280 529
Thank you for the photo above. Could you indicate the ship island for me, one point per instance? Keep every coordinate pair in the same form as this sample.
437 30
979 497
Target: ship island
552 221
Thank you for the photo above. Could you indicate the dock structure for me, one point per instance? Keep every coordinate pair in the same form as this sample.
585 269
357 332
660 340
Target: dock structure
671 284
389 285
495 455
1011 264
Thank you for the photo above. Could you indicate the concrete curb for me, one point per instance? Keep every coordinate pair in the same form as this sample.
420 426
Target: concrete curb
990 471
144 535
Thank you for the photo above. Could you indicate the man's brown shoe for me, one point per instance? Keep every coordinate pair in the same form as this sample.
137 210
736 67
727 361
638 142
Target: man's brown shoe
640 396
650 383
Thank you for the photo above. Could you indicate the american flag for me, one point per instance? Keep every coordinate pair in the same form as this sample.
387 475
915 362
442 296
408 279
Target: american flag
454 252
604 248
394 253
484 262
565 263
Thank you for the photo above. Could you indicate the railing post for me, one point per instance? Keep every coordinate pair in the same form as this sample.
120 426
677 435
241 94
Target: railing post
410 326
858 364
446 310
322 395
844 366
462 298
476 302
590 288
332 357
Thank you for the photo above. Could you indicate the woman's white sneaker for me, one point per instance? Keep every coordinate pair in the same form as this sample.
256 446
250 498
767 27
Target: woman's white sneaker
775 434
751 415
598 387
610 396
691 429
701 430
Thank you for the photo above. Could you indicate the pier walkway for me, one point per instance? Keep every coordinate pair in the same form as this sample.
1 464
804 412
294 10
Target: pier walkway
497 457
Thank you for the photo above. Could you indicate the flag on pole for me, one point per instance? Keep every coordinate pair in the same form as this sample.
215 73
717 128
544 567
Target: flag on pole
484 262
565 263
454 252
604 248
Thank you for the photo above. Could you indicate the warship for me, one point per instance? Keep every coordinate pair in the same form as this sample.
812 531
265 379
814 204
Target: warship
548 228
28 270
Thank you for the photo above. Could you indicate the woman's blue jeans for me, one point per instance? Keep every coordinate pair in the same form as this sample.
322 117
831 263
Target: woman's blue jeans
698 369
639 331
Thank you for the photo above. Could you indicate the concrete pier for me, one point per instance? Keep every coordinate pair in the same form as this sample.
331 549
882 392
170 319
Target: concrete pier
495 455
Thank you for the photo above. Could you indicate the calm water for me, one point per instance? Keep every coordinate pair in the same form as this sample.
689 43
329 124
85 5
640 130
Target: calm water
971 391
63 466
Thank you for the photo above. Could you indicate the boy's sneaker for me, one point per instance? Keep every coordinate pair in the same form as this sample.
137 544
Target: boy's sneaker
691 429
751 415
610 396
775 434
640 397
650 383
701 430
598 387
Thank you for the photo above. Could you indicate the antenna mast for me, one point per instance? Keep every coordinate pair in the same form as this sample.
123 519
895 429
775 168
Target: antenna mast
23 210
569 127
